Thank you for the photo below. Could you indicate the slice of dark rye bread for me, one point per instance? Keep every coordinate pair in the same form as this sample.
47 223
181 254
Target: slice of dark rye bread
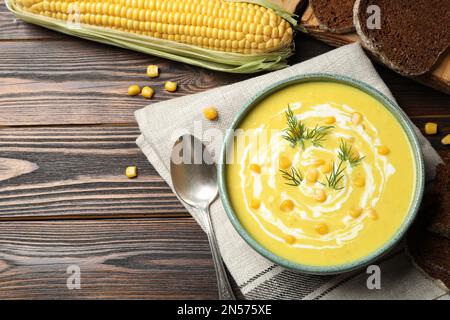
412 36
440 219
429 238
334 15
431 255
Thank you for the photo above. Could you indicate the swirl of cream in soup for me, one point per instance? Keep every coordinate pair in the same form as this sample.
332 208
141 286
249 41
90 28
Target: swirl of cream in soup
362 137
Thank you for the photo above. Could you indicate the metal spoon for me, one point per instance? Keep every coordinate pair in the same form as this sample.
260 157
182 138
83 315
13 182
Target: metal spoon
194 178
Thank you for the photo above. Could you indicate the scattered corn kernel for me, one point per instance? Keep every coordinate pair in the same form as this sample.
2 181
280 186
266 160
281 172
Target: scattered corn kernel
131 172
372 214
446 140
255 203
330 120
289 239
320 195
210 113
170 86
147 92
321 228
291 219
357 117
255 168
383 150
359 181
355 213
287 205
354 153
134 90
152 71
317 162
431 128
284 162
312 174
326 168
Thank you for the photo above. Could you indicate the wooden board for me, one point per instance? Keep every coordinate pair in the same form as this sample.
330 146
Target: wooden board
438 78
288 5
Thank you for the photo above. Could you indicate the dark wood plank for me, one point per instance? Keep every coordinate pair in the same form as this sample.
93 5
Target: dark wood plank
144 258
81 82
12 28
78 171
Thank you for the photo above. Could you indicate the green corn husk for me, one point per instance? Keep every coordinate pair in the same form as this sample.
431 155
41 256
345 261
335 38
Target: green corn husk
190 54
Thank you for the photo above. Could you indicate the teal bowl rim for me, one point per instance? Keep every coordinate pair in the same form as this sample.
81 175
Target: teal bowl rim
392 107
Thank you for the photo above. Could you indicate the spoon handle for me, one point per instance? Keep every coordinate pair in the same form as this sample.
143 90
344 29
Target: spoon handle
225 290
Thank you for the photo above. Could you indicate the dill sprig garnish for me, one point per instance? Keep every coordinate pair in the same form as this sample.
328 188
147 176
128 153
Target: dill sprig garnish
295 131
346 153
294 178
335 177
317 135
298 133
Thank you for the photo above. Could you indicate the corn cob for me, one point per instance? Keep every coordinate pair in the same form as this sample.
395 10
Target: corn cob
237 27
239 36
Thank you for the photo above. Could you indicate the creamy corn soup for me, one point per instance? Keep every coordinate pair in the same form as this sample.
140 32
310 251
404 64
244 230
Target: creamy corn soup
333 179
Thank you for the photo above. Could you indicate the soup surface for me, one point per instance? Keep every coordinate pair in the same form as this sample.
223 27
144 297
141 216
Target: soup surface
321 174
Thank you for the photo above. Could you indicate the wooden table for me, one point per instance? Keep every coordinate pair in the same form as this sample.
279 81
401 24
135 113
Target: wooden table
67 133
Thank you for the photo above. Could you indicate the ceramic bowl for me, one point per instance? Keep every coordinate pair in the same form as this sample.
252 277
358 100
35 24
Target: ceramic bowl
417 155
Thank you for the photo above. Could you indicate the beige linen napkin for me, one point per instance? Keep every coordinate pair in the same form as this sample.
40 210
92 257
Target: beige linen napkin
258 278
